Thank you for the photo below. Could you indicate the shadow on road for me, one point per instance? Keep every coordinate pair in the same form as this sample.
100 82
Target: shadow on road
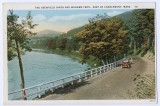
67 89
70 88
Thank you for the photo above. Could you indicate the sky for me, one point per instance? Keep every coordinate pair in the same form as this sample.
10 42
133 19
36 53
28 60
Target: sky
64 20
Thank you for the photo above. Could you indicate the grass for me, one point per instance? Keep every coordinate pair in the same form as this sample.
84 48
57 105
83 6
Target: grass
143 50
144 87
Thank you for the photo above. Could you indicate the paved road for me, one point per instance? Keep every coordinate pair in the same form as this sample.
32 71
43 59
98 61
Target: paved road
110 85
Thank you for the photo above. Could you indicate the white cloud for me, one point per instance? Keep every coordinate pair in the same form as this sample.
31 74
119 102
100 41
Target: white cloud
69 18
114 13
39 18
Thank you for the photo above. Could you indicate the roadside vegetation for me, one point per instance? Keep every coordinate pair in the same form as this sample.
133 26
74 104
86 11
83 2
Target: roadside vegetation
144 87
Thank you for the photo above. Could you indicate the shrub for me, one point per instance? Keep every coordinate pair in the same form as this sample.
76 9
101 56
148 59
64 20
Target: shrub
138 51
152 50
130 51
144 51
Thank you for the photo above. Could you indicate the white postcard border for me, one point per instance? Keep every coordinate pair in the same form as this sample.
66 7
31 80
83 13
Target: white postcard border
31 6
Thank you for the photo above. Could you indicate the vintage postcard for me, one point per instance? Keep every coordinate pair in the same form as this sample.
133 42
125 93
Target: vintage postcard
79 53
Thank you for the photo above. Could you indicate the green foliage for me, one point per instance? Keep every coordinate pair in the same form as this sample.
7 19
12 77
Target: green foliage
138 51
152 50
52 44
130 51
126 17
93 62
141 28
18 32
72 44
71 33
102 39
144 51
65 41
11 54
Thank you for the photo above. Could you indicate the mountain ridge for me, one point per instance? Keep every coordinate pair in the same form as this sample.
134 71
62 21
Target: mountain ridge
48 33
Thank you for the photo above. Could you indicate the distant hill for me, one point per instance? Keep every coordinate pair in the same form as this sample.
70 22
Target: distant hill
71 33
48 33
127 16
74 31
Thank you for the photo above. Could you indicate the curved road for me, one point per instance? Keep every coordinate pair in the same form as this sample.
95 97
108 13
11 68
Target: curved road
110 85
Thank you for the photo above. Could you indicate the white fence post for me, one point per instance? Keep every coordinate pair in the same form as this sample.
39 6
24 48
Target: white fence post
39 89
80 79
105 68
62 83
52 85
72 80
85 75
91 73
114 65
97 71
23 94
100 70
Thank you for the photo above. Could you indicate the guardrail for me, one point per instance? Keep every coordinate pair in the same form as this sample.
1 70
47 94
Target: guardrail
61 83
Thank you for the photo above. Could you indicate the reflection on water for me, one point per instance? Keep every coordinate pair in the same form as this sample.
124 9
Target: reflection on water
41 67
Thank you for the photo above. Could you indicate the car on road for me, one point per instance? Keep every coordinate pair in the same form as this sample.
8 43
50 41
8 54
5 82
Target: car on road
125 63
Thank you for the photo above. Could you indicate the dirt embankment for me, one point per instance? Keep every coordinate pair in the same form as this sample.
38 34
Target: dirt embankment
110 85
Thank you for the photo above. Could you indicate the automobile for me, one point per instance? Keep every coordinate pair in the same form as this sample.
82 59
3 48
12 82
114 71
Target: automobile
125 63
121 61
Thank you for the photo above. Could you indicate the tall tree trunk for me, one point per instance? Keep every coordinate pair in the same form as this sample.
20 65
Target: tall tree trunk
21 70
114 58
148 41
106 61
103 62
131 43
135 48
153 42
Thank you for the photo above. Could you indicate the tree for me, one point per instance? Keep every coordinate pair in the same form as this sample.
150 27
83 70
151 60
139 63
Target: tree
51 44
141 28
102 38
72 44
17 38
63 43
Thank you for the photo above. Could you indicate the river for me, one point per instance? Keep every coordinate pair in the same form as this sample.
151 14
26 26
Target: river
41 67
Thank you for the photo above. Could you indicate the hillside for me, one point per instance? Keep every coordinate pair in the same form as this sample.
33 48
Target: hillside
126 16
71 33
48 33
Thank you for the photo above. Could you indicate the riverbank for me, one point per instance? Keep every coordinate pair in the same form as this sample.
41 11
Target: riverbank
118 84
92 61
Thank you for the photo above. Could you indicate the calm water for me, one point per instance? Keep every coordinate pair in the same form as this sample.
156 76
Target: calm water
41 67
